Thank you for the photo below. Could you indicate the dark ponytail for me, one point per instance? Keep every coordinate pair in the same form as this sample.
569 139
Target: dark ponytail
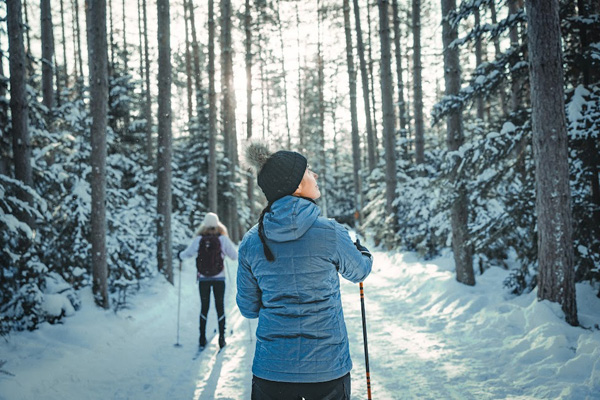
261 233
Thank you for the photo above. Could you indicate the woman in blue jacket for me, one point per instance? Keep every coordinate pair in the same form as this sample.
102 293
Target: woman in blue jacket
288 279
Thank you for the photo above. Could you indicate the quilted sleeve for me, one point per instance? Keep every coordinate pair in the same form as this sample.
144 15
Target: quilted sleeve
248 293
351 263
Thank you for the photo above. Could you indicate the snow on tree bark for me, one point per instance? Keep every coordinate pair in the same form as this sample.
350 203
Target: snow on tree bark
459 213
98 75
556 280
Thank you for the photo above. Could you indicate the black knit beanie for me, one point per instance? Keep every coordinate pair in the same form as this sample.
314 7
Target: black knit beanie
280 173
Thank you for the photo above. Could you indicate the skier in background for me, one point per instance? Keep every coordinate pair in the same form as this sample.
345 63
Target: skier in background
288 279
210 246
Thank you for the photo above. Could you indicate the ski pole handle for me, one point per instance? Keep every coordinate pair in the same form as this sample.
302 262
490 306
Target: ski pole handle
364 325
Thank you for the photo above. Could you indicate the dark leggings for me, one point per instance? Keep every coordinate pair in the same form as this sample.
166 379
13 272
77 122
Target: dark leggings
219 292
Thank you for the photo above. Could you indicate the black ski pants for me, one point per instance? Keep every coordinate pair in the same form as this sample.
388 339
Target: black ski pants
218 288
337 389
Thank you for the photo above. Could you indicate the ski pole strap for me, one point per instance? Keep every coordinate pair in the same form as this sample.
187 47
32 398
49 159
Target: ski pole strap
364 325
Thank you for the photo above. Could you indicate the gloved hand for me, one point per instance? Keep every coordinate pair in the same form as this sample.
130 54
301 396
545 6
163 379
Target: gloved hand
362 248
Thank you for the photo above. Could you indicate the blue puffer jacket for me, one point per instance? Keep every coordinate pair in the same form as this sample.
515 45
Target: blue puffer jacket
301 334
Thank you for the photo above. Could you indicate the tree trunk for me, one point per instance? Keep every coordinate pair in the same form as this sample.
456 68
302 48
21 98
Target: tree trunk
125 57
196 59
321 83
98 73
248 28
496 41
19 107
5 153
148 103
418 84
556 280
389 119
228 102
47 54
284 76
372 81
590 75
212 112
398 54
459 213
364 74
300 96
78 38
64 44
164 141
516 82
188 61
478 61
353 114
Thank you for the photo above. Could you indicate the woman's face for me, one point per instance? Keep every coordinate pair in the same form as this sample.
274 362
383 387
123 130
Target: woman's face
308 187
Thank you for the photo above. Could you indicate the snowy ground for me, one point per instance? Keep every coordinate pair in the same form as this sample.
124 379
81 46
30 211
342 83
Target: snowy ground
429 338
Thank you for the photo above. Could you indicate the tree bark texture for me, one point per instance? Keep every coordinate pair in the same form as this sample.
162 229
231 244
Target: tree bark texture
556 280
47 54
387 105
459 213
228 112
249 105
18 103
364 74
356 161
164 155
212 112
418 83
98 75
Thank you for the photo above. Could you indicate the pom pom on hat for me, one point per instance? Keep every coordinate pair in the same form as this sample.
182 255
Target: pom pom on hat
280 173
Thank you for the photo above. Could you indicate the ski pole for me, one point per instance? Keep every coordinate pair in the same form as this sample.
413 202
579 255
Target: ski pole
178 305
364 325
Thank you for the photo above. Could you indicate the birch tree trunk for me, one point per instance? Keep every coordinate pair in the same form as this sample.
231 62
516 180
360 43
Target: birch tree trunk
556 280
19 107
364 74
163 160
98 74
212 112
356 161
459 213
47 54
389 119
418 83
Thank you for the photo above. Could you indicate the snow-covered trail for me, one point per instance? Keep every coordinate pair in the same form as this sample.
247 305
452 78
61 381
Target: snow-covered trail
429 338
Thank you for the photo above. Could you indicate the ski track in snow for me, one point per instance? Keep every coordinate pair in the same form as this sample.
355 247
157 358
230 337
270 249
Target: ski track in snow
429 338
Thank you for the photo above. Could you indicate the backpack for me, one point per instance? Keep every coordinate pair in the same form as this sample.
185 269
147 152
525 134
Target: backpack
209 261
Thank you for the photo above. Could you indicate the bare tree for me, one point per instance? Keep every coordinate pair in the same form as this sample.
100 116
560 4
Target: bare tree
364 74
556 281
459 213
418 83
47 54
387 105
353 112
98 75
18 102
163 159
